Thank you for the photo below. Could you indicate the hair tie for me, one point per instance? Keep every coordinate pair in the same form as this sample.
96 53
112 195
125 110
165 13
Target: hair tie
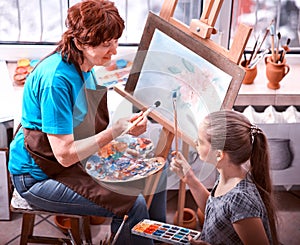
254 130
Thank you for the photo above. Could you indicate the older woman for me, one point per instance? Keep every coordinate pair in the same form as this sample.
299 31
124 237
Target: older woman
65 119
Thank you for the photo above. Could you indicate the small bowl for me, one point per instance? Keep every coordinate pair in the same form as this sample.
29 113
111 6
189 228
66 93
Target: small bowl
63 223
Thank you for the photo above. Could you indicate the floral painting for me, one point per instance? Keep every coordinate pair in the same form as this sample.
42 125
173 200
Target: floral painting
171 72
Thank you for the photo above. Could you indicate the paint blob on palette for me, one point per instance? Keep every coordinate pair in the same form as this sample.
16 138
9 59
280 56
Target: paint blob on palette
164 232
124 159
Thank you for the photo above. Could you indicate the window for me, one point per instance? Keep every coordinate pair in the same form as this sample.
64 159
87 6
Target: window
42 22
260 13
32 21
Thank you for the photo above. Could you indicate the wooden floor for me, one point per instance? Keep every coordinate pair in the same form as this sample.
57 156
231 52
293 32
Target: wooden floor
288 203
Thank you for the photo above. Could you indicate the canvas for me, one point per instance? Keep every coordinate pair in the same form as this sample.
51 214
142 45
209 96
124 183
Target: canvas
172 65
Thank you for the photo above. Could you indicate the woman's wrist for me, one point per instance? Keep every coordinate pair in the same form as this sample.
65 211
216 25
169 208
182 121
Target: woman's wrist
105 136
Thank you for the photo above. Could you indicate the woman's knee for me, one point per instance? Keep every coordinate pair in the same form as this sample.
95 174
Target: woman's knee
140 207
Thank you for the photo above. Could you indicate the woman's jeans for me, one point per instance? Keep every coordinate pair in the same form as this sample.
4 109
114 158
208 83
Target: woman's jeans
54 196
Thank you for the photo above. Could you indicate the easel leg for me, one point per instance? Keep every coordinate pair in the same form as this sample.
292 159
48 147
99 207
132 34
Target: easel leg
182 189
162 150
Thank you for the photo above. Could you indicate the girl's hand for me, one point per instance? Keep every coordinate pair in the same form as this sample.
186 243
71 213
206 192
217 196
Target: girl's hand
179 165
196 242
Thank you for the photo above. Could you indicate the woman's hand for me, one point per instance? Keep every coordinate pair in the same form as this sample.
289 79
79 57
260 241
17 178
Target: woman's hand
122 124
141 126
179 165
119 127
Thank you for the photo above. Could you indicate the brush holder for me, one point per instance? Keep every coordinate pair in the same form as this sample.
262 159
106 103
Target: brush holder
275 72
250 73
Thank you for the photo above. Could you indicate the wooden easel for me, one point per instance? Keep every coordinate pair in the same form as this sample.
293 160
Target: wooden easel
201 30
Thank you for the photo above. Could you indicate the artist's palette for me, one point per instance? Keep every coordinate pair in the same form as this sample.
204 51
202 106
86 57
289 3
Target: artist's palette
124 159
164 232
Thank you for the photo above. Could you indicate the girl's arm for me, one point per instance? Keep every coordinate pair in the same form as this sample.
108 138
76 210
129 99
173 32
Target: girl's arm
198 190
181 167
251 231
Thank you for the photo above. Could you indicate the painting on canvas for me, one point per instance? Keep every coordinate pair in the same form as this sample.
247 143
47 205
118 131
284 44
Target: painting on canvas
181 73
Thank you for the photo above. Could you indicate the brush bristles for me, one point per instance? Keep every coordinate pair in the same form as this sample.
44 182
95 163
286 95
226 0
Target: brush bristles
157 103
174 95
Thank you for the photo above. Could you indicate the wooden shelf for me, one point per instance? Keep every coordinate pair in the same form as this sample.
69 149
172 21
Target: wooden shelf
258 94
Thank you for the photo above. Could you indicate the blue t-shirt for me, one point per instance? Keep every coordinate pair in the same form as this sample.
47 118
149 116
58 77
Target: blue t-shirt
53 102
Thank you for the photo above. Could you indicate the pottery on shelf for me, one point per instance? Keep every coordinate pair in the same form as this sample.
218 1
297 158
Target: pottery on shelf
275 72
250 73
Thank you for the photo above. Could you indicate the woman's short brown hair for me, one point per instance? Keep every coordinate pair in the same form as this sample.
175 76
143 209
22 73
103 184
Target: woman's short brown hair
90 22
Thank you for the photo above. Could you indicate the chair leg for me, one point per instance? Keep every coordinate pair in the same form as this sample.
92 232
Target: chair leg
27 227
87 230
75 230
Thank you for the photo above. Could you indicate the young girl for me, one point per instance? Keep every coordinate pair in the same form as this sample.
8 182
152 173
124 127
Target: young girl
239 209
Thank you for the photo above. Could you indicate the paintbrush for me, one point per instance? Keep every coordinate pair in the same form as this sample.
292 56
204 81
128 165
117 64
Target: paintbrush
174 99
272 33
277 47
245 57
285 49
261 43
141 117
252 52
119 230
258 58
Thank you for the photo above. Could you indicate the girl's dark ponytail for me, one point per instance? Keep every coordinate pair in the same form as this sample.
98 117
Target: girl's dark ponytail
233 132
260 171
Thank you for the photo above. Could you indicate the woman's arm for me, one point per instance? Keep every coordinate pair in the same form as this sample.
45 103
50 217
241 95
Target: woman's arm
68 151
251 231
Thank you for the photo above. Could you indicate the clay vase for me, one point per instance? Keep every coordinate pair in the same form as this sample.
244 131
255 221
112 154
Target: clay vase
63 223
200 216
250 73
280 153
189 218
275 72
97 220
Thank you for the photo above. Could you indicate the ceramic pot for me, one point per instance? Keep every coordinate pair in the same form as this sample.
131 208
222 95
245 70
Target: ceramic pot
250 73
275 72
280 154
189 218
63 223
97 220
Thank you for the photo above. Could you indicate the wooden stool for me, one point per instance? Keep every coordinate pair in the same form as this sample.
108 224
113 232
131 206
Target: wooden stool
20 205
